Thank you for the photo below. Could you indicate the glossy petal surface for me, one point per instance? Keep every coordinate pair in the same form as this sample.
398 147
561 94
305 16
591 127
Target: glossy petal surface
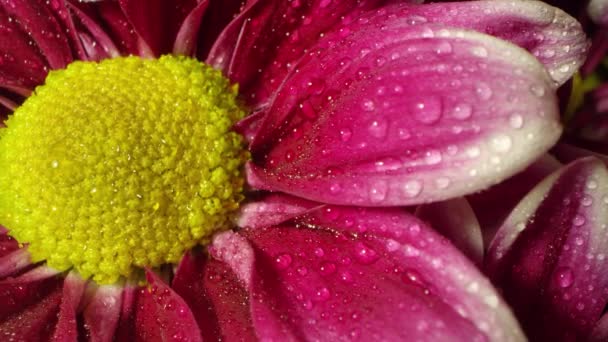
354 274
551 35
422 114
549 257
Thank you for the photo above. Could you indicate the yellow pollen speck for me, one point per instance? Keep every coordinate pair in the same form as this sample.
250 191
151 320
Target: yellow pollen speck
122 164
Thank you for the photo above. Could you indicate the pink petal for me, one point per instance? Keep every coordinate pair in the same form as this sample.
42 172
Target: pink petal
456 220
423 114
277 33
157 21
272 210
217 16
366 274
30 304
95 41
161 314
600 332
549 33
126 328
493 205
102 313
73 289
37 20
216 297
187 36
549 257
14 262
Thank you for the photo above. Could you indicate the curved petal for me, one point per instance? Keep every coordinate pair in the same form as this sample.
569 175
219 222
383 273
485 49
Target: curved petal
216 297
550 34
95 41
102 313
157 21
30 304
550 255
73 289
493 205
600 332
187 36
277 33
161 314
456 220
422 114
272 210
366 274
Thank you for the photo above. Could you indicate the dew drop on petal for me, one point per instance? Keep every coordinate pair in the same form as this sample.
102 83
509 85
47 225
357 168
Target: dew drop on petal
327 268
537 90
501 143
564 277
462 111
365 254
516 121
483 91
428 110
412 188
283 261
578 220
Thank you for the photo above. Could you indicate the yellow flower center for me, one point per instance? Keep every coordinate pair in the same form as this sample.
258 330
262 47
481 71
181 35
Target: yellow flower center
127 163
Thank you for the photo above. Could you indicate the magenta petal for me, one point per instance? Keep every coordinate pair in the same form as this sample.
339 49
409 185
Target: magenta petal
598 11
187 36
600 332
456 220
277 33
37 20
422 114
366 274
30 304
157 21
549 257
493 205
161 314
272 210
66 329
102 313
95 41
553 36
216 297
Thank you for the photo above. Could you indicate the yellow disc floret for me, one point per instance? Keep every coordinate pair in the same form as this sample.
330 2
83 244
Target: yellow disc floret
126 163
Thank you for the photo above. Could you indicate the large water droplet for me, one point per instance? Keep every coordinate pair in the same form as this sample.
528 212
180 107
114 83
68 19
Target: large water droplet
365 254
428 110
462 111
537 90
283 261
516 121
501 143
378 128
412 188
564 277
483 91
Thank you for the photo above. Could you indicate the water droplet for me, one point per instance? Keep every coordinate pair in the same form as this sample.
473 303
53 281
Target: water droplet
368 105
578 220
483 91
327 268
404 134
412 188
377 193
516 121
537 90
473 152
432 157
54 164
462 111
365 254
444 48
345 134
501 143
428 111
319 252
442 182
378 128
479 51
587 201
324 3
283 261
592 184
322 294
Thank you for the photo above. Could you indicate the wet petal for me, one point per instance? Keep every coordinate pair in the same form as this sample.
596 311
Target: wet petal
550 255
102 312
161 314
493 205
96 43
157 21
600 332
456 220
368 275
550 34
216 297
126 327
30 304
66 329
277 33
187 36
272 210
425 113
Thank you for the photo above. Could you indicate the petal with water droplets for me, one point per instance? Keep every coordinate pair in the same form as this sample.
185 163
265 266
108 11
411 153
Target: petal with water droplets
66 329
102 312
368 274
422 114
216 296
161 314
272 210
550 256
553 36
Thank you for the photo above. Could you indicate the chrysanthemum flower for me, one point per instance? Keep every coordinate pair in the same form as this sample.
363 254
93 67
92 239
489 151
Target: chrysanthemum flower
114 167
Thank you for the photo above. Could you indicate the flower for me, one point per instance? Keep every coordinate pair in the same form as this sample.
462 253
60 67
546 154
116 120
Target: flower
357 109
